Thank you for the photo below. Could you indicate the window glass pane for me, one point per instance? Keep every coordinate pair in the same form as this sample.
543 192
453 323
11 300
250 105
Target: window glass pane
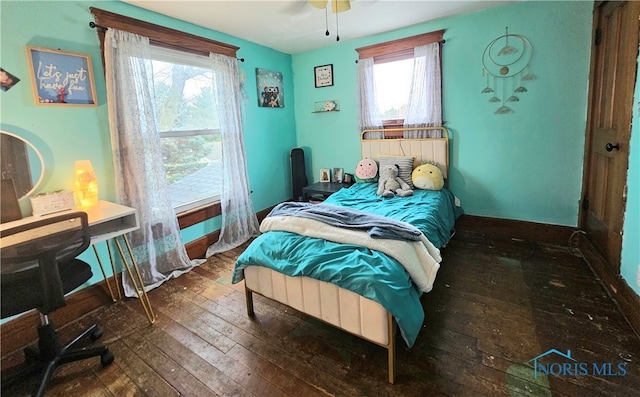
393 87
184 97
189 128
194 169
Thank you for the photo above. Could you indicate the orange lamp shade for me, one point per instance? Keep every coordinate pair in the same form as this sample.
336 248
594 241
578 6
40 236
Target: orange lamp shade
86 183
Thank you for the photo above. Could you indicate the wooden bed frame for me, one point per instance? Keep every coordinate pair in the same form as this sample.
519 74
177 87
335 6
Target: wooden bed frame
337 306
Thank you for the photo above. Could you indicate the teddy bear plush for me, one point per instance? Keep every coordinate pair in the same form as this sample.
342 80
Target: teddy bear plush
427 177
390 184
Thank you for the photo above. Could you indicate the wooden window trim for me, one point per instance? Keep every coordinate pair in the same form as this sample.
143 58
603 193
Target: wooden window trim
396 50
173 39
200 214
160 35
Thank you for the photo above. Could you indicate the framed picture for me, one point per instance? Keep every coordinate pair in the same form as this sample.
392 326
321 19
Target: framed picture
7 80
323 75
270 91
348 179
61 78
325 175
337 175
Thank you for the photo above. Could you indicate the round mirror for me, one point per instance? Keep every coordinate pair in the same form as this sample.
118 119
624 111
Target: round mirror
21 162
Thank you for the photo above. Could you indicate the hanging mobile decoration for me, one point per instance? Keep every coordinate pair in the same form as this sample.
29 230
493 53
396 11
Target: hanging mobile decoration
505 61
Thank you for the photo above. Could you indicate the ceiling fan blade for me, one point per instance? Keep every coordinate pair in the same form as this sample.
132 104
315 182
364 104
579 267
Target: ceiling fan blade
340 5
297 8
318 3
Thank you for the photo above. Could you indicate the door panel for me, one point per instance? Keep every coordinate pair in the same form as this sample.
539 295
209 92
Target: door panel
614 56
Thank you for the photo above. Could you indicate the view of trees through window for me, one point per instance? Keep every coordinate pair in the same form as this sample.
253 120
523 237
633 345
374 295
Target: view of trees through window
189 131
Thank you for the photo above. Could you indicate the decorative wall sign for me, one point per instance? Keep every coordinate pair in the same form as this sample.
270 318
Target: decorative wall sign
61 77
323 75
270 89
505 64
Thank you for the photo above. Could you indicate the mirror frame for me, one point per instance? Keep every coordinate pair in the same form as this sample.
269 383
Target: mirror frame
40 158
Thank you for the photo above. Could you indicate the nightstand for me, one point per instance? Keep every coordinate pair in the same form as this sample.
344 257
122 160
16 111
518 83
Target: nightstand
321 190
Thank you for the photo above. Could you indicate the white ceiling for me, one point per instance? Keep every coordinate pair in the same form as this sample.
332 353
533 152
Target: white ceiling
293 26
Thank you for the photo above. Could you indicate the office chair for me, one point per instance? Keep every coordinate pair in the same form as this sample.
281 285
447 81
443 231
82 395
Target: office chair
38 267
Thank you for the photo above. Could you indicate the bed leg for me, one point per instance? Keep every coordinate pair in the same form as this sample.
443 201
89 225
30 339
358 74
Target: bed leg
392 348
249 298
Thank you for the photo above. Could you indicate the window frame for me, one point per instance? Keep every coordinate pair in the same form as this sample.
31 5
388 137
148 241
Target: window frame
173 56
162 36
397 50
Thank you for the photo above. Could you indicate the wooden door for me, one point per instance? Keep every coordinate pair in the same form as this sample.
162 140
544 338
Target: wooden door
613 73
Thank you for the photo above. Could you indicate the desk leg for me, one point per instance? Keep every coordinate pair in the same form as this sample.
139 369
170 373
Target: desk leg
106 279
137 281
113 269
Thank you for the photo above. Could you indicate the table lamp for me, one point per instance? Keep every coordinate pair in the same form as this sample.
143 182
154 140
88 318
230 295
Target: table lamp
86 183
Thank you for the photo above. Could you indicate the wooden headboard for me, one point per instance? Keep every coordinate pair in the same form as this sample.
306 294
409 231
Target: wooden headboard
423 150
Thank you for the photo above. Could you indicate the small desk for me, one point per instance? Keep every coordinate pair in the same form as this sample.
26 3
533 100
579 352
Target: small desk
321 190
108 221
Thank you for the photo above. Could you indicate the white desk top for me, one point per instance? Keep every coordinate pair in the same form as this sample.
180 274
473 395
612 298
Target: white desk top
106 220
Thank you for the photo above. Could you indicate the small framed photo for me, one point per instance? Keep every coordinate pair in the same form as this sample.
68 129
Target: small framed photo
7 80
323 75
337 175
325 175
348 179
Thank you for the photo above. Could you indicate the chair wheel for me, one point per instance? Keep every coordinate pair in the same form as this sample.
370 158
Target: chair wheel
106 358
96 334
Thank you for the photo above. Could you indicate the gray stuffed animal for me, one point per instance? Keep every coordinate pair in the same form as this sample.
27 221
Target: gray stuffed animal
390 184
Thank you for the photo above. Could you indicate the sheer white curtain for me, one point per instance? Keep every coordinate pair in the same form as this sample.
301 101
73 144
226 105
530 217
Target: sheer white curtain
137 160
424 108
369 115
239 221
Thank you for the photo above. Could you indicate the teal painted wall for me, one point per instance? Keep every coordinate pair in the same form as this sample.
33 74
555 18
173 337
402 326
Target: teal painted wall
630 266
66 134
524 166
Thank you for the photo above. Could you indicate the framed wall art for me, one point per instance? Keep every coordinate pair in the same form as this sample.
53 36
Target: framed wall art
270 88
338 175
7 80
323 75
61 78
325 175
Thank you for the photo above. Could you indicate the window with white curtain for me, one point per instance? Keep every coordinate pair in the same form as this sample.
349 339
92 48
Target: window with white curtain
394 79
393 87
189 127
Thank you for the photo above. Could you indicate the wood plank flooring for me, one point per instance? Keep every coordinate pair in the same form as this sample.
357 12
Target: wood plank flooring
495 306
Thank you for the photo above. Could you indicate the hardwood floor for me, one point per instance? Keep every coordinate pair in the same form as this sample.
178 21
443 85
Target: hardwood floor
496 305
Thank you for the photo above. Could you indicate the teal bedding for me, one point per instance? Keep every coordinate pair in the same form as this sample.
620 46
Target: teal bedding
366 272
433 212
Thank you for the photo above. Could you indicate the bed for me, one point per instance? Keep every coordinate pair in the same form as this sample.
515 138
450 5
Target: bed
364 270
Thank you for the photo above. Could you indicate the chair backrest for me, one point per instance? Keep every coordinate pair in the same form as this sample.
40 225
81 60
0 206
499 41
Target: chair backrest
43 244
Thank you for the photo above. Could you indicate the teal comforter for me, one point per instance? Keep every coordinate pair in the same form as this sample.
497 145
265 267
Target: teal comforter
366 272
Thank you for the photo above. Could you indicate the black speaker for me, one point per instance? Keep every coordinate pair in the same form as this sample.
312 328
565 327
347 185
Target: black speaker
298 173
